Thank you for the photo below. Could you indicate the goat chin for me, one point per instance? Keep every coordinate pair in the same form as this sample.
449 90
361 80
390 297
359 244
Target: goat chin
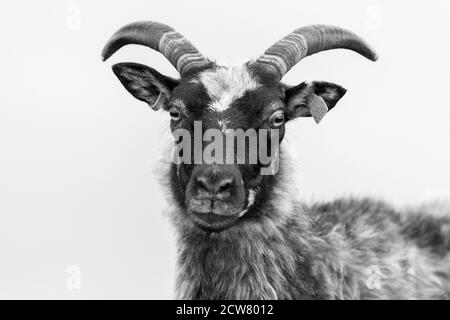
344 249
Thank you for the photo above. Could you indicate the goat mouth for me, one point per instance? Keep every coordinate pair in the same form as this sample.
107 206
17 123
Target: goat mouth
213 222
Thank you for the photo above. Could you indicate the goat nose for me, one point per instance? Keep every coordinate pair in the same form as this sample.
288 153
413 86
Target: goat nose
218 187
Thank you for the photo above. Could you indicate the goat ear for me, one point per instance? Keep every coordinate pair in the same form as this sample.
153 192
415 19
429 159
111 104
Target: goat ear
312 99
145 83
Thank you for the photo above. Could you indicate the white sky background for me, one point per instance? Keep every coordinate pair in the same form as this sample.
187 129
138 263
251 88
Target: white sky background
77 152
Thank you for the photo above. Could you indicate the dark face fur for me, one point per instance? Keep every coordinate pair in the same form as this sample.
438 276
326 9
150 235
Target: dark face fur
217 196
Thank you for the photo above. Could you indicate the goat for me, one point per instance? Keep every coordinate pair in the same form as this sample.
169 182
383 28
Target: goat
244 235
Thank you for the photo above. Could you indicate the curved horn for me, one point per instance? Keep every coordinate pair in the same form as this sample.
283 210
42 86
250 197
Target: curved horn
303 42
160 37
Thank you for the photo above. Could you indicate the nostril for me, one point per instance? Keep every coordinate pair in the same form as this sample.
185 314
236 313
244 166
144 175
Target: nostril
203 184
224 185
224 189
218 187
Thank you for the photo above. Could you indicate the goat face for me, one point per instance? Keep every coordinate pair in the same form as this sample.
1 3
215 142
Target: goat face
217 194
221 193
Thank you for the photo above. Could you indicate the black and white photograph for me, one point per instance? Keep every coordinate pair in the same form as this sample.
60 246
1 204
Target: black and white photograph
225 150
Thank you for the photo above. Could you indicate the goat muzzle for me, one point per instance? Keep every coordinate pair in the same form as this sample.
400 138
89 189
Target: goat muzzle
215 196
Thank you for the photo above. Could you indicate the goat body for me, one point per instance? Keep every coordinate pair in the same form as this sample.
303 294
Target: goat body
345 249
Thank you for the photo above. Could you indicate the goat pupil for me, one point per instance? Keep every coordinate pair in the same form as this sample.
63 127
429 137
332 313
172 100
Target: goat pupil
279 119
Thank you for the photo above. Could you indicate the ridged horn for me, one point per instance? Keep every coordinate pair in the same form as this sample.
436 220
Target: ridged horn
305 41
160 37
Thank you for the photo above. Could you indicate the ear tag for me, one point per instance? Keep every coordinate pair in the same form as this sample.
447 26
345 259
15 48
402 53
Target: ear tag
317 107
159 102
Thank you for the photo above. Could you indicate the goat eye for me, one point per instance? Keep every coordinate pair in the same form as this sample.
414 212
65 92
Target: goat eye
277 118
174 114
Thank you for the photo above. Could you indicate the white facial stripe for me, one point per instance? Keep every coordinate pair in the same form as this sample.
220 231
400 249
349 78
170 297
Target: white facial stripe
251 197
224 85
250 201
